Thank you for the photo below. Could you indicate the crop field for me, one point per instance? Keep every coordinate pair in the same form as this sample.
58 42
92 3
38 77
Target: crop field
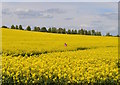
38 57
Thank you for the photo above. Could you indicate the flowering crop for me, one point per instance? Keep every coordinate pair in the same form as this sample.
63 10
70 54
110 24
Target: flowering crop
18 42
86 59
63 67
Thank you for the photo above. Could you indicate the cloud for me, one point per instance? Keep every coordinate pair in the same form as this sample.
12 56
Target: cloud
6 11
98 16
105 25
110 15
47 16
60 0
68 18
27 13
55 10
97 21
30 13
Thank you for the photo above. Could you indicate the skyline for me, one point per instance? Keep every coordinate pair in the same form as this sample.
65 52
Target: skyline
60 1
101 16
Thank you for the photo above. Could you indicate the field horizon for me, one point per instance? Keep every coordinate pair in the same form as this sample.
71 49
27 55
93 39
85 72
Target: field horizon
59 43
55 38
38 57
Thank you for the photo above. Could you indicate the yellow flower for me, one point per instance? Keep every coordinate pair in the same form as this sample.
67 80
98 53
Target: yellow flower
74 63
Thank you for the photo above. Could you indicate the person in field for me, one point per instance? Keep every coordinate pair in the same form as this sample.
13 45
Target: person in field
65 44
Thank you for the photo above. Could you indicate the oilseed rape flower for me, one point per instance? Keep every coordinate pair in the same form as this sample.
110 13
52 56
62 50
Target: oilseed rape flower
80 68
31 57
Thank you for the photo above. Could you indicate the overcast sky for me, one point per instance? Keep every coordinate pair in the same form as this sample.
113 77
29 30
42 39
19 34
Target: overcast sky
60 0
101 16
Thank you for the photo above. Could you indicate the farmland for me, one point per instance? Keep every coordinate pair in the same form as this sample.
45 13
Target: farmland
37 57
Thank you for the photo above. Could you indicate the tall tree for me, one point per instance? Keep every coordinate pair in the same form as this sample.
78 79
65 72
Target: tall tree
82 32
36 28
12 27
98 33
28 28
60 30
69 31
64 31
54 30
43 29
93 32
79 31
108 34
50 30
20 27
89 32
85 32
75 32
16 27
72 31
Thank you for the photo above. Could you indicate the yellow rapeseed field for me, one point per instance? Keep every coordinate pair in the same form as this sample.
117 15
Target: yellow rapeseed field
35 57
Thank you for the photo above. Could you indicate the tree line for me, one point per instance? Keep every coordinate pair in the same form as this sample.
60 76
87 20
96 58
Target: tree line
59 30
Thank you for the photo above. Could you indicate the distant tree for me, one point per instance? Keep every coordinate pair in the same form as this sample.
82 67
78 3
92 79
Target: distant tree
75 32
50 30
117 35
60 30
12 27
16 27
43 29
85 32
64 31
4 27
82 32
28 28
36 29
98 33
79 31
89 32
54 30
108 34
69 31
93 32
20 27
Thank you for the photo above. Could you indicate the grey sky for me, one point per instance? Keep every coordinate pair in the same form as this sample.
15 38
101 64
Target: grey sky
59 0
101 16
